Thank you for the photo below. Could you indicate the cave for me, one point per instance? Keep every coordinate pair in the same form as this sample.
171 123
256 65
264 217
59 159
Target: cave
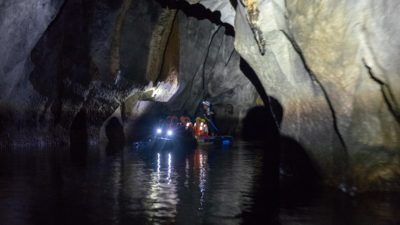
305 100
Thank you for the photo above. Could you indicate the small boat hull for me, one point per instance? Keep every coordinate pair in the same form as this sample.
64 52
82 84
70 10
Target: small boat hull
215 140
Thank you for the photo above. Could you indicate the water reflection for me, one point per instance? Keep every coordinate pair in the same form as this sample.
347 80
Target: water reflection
162 198
201 161
204 186
186 173
169 168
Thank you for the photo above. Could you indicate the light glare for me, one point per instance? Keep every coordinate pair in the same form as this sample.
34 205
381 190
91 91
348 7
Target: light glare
169 132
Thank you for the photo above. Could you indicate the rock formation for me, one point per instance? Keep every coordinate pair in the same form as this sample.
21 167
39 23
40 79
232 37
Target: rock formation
333 67
111 59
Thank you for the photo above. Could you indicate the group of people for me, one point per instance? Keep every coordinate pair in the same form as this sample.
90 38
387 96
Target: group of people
203 125
205 120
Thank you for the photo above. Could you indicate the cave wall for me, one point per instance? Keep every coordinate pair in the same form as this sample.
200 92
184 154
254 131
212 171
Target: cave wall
210 69
306 113
97 60
200 49
358 73
332 65
16 44
61 58
21 27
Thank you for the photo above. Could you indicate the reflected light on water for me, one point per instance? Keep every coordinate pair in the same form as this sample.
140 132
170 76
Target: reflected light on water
158 166
202 177
169 168
162 198
205 186
187 173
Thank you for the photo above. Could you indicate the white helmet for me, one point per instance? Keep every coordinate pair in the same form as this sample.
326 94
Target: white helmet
207 103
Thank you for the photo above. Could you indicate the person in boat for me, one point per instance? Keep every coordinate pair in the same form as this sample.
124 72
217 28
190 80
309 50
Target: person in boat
185 120
186 123
206 112
200 127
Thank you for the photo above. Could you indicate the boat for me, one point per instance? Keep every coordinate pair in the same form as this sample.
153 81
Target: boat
170 134
215 140
203 137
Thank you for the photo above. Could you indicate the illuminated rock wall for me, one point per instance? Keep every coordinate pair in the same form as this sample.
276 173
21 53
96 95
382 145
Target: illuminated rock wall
207 66
210 68
333 67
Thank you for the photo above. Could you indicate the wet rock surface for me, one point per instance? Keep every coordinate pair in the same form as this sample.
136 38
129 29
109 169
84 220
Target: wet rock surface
332 66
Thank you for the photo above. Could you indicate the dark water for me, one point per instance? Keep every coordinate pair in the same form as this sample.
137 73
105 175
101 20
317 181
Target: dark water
204 186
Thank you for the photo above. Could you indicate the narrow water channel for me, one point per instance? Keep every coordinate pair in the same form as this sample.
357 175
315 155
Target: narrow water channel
203 186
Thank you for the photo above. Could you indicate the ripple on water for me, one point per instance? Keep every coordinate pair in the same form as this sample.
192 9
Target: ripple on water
204 186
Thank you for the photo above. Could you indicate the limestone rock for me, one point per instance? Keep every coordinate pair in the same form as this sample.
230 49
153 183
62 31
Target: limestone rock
16 44
333 67
225 7
306 114
339 41
22 23
52 70
65 64
213 72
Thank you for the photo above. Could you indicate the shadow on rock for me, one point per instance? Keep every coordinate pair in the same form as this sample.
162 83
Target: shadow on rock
261 122
259 125
286 167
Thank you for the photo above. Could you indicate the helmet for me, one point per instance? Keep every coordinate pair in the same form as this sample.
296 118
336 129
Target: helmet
207 103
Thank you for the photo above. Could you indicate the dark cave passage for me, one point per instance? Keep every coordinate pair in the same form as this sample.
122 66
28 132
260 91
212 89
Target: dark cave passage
199 112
